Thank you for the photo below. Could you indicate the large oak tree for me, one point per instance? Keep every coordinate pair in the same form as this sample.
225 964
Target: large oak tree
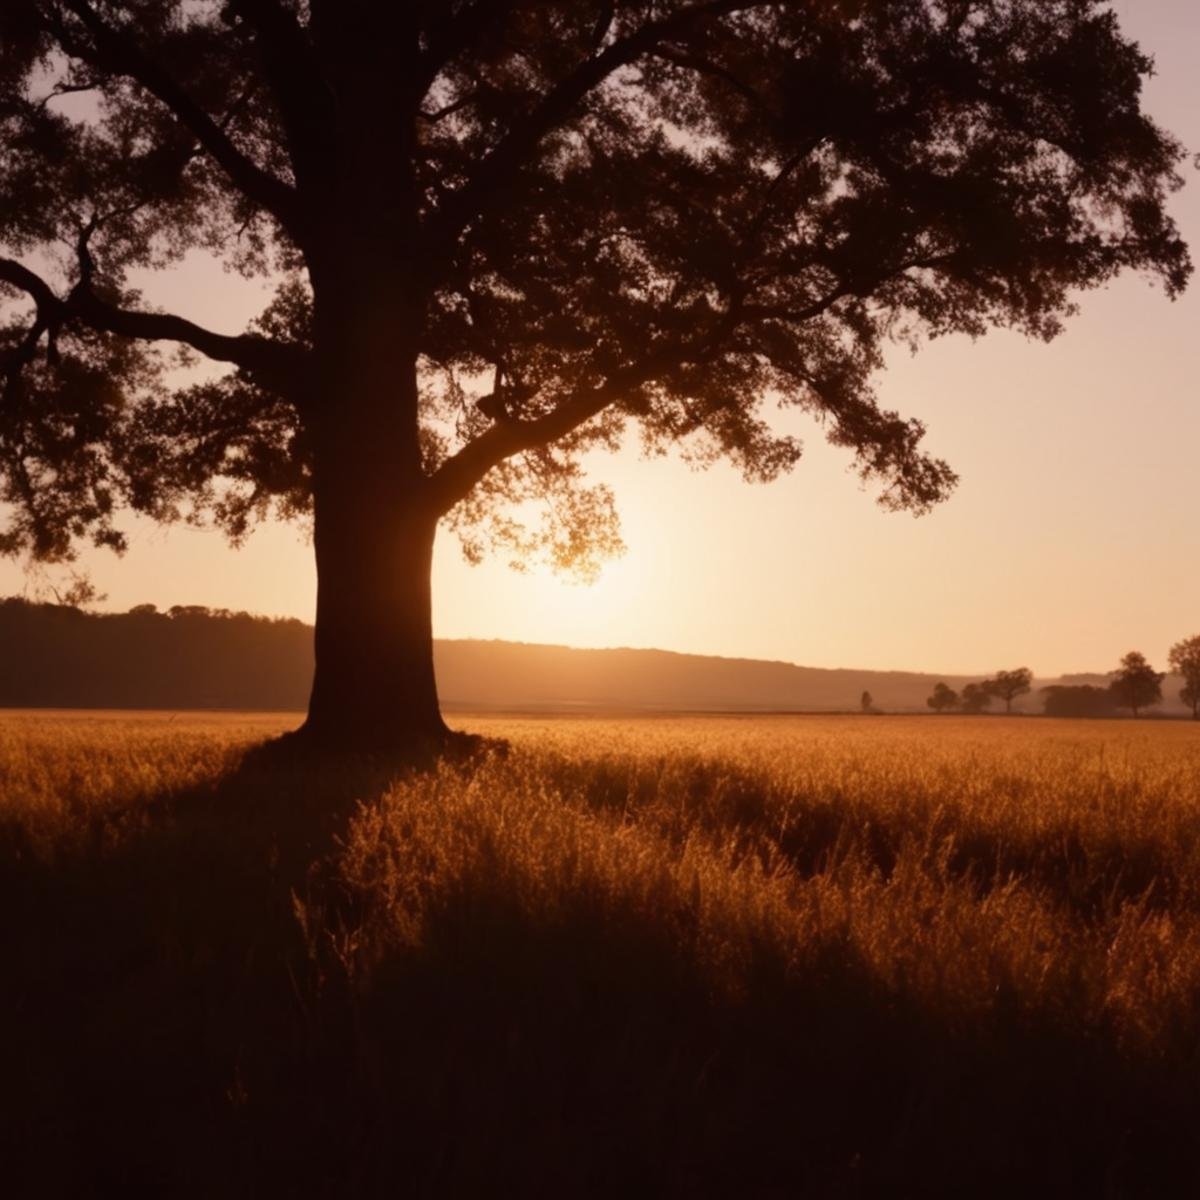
504 232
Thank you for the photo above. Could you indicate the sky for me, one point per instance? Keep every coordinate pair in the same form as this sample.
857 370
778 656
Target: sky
1074 534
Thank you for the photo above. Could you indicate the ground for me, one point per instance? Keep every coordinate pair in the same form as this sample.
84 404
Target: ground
754 956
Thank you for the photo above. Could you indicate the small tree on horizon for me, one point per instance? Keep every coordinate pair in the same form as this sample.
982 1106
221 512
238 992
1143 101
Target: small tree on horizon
1008 685
1135 684
1184 659
943 699
867 702
975 698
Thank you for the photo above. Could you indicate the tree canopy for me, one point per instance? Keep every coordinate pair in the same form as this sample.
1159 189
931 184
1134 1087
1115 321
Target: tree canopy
1008 685
1136 684
503 233
1078 700
1184 658
976 697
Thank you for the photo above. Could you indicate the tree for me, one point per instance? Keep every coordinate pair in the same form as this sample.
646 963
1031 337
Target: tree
1066 700
867 702
943 699
975 698
1136 684
503 233
1184 659
1008 685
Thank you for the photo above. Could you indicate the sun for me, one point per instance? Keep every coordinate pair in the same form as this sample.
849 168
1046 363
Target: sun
539 605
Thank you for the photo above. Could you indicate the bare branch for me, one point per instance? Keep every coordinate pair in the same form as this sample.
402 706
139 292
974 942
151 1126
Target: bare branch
66 89
449 109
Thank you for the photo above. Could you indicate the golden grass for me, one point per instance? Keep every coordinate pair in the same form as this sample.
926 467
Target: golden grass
839 955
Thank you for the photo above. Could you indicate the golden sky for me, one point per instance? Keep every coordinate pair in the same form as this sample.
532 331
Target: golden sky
1073 537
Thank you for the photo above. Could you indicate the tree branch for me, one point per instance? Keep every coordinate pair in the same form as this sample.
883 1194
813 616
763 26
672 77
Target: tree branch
523 138
304 99
454 479
449 36
447 110
116 50
279 367
702 66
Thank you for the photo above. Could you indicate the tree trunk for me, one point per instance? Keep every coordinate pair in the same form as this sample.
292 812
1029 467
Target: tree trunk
373 685
373 534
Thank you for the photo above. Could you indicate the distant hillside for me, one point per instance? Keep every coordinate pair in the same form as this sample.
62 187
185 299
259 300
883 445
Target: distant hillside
55 656
502 674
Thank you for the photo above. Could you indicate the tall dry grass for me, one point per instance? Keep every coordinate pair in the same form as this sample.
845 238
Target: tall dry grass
703 956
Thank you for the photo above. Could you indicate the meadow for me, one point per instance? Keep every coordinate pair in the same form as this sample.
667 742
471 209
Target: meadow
701 956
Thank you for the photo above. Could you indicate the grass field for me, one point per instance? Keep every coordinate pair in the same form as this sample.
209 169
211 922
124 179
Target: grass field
705 956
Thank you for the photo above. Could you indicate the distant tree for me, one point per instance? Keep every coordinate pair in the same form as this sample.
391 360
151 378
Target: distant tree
975 698
943 699
1065 700
501 235
1008 685
867 702
1184 659
1135 684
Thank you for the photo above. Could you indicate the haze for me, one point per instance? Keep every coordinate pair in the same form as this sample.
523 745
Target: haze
1070 539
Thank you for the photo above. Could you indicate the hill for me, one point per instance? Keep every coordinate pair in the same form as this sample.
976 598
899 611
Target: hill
57 656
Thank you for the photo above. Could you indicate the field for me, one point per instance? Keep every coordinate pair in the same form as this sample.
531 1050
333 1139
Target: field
767 956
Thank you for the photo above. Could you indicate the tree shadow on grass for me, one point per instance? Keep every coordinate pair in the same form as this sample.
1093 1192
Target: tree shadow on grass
174 1029
147 960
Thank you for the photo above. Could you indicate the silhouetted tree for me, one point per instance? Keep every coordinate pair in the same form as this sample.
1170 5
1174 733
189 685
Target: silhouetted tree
867 702
975 698
1136 685
1067 700
1008 685
1184 659
943 699
500 234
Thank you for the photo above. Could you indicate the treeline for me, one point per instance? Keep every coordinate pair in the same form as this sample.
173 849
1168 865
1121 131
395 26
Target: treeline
57 656
1135 685
191 657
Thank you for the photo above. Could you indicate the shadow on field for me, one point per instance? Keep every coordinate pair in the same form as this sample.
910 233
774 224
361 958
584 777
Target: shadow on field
148 965
192 1011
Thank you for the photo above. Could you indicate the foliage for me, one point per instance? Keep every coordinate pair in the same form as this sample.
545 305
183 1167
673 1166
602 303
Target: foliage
1008 685
1078 700
536 227
943 699
1135 684
976 697
1184 659
696 957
